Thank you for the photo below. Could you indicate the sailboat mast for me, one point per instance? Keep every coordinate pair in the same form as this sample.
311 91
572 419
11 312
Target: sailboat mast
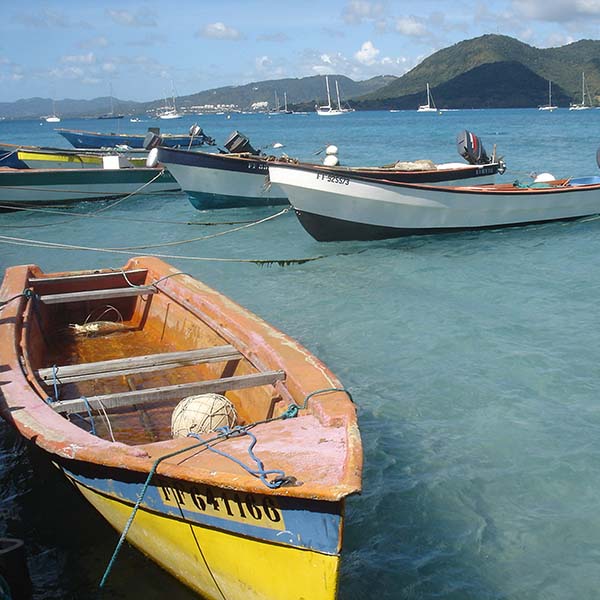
428 97
583 88
337 89
285 108
328 94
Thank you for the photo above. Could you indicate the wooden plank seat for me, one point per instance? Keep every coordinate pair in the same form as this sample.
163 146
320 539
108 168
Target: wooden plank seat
137 364
122 292
169 392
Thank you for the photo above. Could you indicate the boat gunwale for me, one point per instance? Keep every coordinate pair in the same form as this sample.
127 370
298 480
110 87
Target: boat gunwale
495 189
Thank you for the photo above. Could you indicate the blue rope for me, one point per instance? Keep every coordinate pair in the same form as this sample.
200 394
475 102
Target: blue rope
291 412
89 412
55 382
139 501
261 472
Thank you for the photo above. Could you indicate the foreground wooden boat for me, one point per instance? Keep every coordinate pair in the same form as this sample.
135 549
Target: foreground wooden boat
358 208
46 187
238 178
94 364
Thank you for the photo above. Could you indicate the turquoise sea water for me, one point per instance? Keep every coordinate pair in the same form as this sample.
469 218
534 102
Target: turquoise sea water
473 359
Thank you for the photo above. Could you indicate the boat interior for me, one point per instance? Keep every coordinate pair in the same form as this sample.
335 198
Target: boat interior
115 353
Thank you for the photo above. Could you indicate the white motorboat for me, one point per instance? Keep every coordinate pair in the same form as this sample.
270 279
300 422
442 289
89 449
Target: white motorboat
350 207
238 178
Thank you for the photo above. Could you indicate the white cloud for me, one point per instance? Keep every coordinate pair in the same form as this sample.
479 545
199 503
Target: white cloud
96 42
411 26
219 31
357 11
143 18
558 11
82 59
367 55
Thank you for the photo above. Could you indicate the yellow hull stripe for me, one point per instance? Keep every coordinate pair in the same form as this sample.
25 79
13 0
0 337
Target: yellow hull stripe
222 565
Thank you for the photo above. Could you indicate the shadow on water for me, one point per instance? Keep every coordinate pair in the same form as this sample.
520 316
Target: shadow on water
68 543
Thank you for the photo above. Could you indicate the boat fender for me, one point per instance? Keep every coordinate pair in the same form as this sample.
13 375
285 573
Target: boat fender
152 158
331 149
331 160
543 177
201 414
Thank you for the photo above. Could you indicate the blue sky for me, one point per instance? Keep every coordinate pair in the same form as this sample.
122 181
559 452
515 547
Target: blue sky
83 48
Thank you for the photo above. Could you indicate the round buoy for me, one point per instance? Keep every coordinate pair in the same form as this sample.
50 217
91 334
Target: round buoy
201 414
331 160
152 158
331 149
543 177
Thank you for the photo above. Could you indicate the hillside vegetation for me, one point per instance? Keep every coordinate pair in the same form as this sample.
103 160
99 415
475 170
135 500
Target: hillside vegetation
494 71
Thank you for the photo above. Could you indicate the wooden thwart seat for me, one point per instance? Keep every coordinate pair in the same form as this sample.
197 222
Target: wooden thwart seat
107 294
137 364
170 392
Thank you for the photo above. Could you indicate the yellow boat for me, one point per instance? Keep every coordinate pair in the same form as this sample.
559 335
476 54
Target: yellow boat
213 442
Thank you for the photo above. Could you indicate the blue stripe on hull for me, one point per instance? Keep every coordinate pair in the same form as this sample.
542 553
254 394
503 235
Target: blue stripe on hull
81 139
297 522
205 201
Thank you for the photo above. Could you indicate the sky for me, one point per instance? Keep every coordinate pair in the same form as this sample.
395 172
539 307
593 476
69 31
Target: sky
146 50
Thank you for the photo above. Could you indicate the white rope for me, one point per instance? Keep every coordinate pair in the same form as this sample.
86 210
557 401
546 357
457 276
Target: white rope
206 237
54 246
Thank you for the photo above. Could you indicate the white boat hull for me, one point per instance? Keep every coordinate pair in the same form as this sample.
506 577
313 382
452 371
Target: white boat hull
346 208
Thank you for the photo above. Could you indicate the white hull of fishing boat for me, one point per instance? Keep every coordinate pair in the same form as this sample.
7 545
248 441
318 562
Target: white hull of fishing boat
25 187
221 180
336 208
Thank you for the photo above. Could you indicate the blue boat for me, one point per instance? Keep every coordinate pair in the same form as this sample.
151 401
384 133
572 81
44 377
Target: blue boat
94 139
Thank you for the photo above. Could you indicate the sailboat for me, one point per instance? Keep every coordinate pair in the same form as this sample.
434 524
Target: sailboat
53 118
430 106
328 109
111 114
583 105
549 106
169 112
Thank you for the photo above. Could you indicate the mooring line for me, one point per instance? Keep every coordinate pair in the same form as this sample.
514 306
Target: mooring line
95 215
55 246
205 237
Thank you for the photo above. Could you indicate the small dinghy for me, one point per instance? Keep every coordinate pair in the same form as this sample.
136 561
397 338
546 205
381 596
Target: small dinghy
213 442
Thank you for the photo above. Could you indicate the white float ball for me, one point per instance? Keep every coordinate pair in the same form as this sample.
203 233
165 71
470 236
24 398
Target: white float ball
202 414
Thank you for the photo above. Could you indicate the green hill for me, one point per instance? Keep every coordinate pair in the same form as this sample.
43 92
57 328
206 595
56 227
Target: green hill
520 86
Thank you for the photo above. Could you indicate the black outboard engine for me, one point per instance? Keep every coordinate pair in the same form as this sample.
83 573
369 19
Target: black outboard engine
469 146
238 143
152 140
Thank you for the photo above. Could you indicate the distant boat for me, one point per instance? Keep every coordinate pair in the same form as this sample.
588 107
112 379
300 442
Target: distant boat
328 109
550 107
278 110
583 105
95 139
53 118
430 106
170 112
34 187
111 114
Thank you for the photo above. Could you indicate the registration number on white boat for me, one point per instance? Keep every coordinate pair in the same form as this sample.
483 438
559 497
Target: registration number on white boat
333 178
225 504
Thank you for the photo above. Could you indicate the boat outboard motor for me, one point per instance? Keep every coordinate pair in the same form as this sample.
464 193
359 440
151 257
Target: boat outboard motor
238 143
469 146
152 140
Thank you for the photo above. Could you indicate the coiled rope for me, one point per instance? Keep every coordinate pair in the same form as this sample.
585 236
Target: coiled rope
221 436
